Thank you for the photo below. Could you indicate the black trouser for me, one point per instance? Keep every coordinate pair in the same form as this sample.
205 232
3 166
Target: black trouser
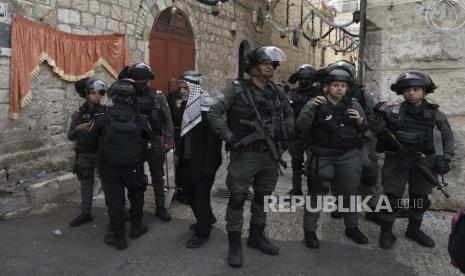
198 193
156 158
114 180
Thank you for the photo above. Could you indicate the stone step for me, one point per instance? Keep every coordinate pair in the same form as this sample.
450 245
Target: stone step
51 187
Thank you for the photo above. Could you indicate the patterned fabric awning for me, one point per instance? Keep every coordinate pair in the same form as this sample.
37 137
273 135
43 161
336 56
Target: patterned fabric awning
72 57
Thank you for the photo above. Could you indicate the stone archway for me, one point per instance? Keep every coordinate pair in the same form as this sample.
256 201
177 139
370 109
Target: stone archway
244 49
171 47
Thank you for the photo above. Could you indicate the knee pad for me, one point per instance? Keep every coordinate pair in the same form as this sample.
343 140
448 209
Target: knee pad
368 178
419 203
259 198
237 200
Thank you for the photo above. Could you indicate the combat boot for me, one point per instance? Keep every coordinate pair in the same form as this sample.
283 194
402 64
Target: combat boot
387 239
356 236
311 239
258 240
138 230
80 220
414 233
162 213
117 242
235 249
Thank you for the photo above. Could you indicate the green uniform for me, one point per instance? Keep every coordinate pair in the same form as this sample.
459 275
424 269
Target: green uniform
334 141
250 165
415 127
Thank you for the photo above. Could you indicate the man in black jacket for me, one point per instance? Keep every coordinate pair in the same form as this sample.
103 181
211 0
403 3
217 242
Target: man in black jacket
198 155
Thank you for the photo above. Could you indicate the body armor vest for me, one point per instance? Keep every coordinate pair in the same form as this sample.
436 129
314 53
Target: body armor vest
270 107
414 127
83 144
333 129
149 106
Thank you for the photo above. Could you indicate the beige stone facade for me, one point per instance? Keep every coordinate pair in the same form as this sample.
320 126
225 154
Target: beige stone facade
399 40
37 141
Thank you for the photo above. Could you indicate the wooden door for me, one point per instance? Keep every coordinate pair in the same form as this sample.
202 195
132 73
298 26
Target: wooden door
172 48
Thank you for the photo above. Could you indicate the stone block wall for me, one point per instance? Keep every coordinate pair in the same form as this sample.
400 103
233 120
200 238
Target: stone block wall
398 40
38 142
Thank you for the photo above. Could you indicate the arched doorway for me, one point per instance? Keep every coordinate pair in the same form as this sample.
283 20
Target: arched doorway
172 47
244 49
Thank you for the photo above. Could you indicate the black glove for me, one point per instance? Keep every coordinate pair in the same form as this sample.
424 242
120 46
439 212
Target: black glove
441 165
234 142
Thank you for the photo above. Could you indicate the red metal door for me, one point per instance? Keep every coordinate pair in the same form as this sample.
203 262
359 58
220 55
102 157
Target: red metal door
172 48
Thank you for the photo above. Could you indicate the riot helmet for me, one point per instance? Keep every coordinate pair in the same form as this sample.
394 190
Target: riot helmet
122 91
344 64
413 79
338 74
140 72
96 85
262 55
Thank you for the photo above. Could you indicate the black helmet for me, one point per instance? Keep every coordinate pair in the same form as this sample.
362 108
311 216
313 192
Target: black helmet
141 71
96 85
344 64
305 71
338 74
413 79
122 91
262 55
124 74
80 87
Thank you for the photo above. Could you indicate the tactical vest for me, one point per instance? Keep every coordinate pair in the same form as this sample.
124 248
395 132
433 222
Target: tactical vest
414 127
148 104
270 106
122 139
83 144
299 97
333 129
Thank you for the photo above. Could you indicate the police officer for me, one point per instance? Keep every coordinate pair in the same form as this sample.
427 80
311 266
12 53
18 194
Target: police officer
92 90
368 101
413 122
154 106
335 124
122 135
298 97
252 164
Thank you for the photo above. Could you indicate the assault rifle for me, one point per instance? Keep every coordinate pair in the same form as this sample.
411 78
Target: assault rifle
262 131
413 159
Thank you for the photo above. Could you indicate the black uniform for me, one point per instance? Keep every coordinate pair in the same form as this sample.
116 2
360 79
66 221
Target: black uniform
298 98
176 105
155 109
121 141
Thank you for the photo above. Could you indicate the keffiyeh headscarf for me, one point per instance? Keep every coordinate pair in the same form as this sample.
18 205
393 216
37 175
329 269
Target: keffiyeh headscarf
199 100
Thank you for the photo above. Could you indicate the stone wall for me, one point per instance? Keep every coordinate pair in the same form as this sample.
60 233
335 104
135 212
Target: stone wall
399 40
37 141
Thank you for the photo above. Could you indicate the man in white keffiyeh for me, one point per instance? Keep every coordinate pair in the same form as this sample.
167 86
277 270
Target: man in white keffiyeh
193 112
198 155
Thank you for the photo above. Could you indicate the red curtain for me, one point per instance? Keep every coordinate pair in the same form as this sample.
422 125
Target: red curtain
72 57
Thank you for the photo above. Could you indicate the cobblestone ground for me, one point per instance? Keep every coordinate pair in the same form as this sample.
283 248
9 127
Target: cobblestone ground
337 255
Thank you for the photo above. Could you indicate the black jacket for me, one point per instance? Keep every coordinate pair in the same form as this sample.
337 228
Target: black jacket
206 149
